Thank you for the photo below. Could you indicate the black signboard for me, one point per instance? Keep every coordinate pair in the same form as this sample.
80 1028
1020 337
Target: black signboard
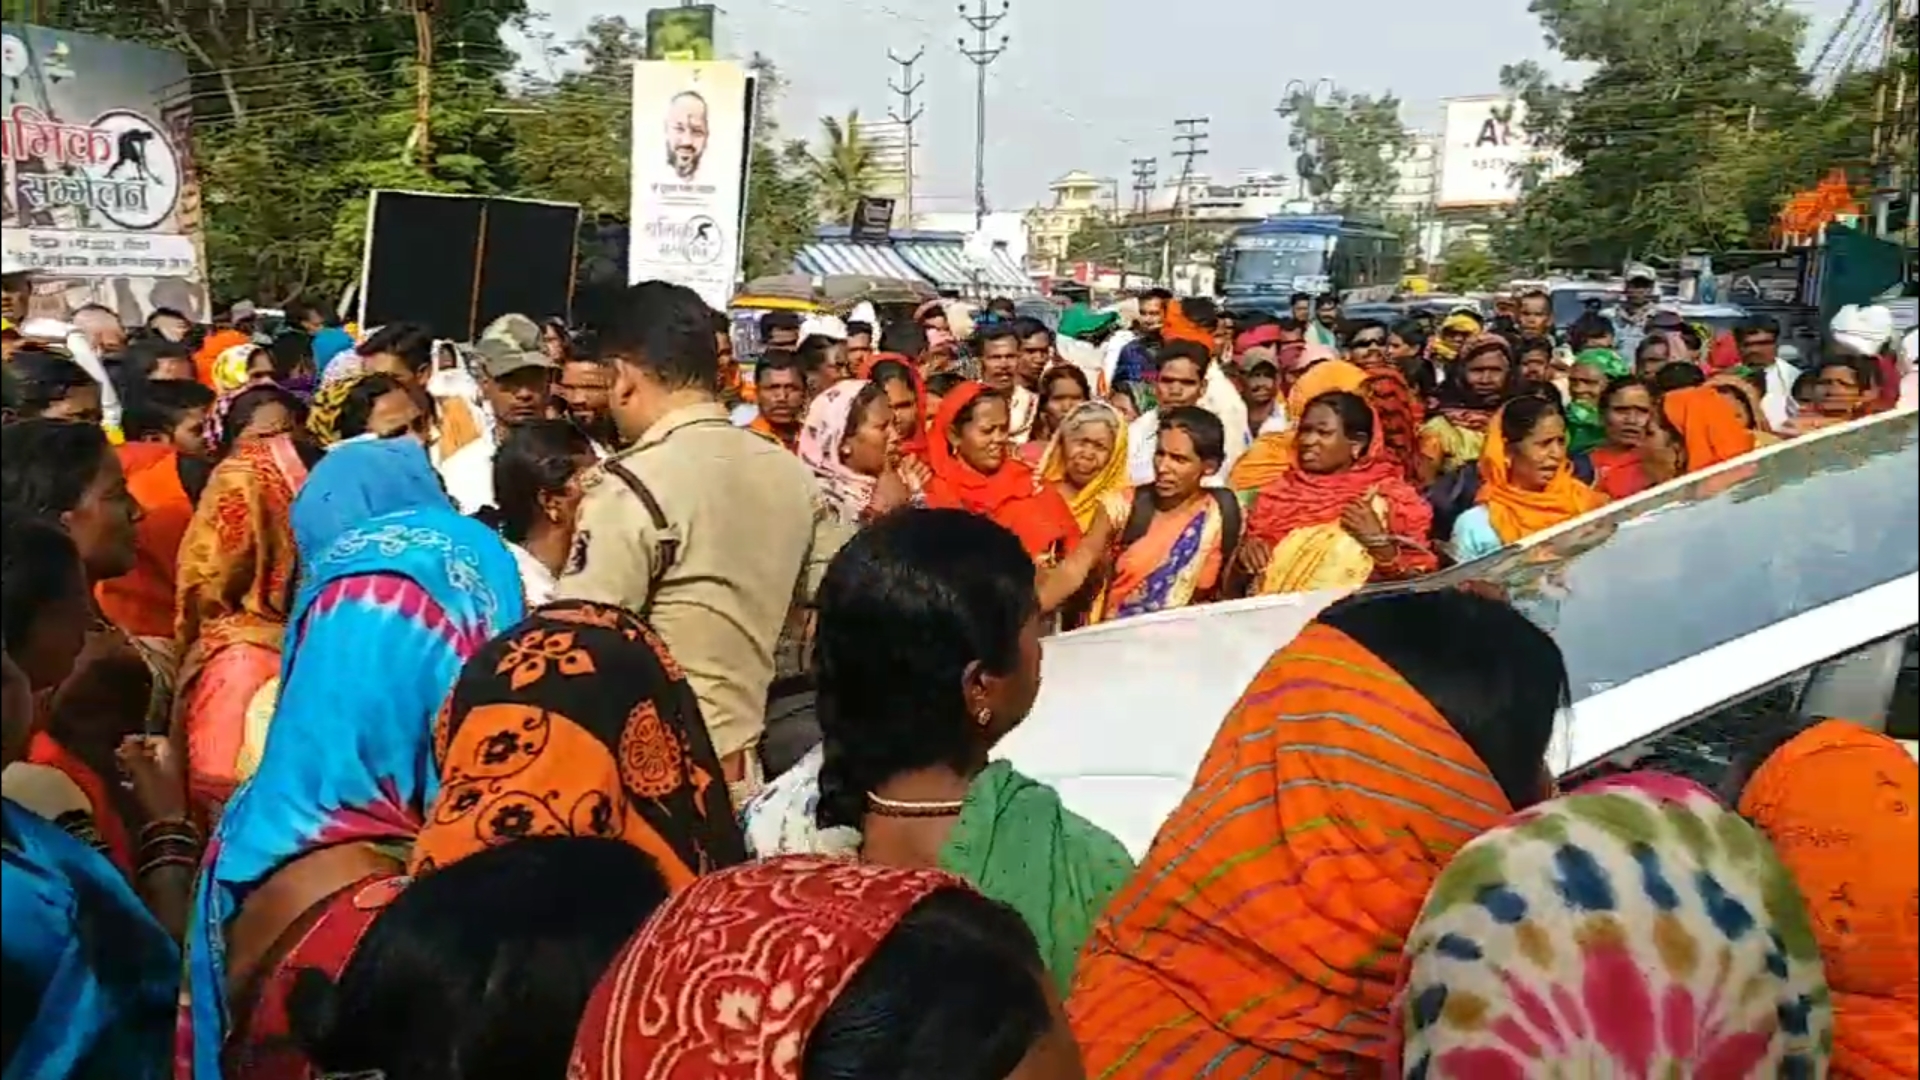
872 220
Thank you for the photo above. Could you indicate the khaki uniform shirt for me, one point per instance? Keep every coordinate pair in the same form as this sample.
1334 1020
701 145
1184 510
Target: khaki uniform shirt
747 535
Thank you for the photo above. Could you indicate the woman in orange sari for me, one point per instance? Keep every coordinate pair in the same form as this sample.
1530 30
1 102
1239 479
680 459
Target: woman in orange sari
1746 399
1343 516
1709 425
1854 858
1263 930
974 470
1526 481
237 569
1272 455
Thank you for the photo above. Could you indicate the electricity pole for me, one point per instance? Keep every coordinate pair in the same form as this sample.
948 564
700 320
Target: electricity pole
982 54
1190 135
1145 173
421 139
908 113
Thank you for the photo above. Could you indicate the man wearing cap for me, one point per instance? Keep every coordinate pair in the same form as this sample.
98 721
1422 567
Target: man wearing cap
1256 371
516 384
1631 314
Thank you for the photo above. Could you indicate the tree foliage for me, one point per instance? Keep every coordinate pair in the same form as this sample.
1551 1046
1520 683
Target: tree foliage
1697 121
301 110
1466 266
1354 142
844 169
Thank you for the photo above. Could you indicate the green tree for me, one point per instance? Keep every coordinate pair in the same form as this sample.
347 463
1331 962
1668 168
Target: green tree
1466 266
1354 142
573 134
1695 124
1098 239
844 169
781 193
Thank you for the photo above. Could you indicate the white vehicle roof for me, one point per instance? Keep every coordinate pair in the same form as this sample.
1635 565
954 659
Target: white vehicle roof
1664 605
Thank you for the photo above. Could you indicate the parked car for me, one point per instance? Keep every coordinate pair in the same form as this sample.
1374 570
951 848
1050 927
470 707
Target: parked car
1695 618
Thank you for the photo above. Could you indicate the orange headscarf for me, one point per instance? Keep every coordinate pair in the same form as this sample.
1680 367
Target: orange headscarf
1839 803
578 722
1709 425
1763 433
1177 327
1270 455
1516 513
209 354
1265 925
141 601
1040 518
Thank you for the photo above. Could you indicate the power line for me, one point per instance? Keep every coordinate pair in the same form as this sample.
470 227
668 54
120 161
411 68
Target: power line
909 113
982 54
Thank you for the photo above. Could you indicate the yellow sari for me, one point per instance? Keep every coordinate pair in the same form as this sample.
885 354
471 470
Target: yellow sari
1107 492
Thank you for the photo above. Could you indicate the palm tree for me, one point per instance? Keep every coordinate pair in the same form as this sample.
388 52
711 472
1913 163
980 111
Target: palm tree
844 170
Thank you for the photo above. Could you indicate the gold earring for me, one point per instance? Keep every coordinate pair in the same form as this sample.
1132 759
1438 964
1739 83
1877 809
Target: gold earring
983 716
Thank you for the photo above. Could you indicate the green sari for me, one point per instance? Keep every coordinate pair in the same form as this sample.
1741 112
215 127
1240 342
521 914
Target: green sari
1018 845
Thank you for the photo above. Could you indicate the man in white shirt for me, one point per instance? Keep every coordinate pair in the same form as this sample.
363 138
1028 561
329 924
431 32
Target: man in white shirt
1758 337
1184 366
516 384
998 345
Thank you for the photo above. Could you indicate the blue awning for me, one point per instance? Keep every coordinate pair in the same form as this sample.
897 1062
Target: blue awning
949 267
823 257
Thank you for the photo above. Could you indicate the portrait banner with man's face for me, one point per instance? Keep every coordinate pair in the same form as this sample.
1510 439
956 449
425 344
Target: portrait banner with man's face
689 174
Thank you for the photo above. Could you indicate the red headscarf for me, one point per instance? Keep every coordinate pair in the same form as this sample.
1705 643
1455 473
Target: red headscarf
1040 518
1298 498
915 444
1709 424
730 976
1400 415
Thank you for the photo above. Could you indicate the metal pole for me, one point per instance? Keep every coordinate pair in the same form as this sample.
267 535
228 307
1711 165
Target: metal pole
909 113
981 54
1191 134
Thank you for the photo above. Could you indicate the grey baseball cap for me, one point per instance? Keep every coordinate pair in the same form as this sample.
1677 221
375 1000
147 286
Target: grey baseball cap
514 329
500 358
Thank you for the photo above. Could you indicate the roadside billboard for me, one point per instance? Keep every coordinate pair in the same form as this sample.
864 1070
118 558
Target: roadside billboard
99 193
690 139
1482 146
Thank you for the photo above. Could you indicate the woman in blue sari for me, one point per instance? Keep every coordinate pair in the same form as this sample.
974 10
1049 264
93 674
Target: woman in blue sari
397 591
90 977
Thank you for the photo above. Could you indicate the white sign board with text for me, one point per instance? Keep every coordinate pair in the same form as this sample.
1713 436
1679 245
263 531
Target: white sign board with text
690 139
1482 147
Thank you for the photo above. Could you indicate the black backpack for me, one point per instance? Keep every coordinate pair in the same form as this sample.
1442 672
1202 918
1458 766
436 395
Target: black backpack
1141 516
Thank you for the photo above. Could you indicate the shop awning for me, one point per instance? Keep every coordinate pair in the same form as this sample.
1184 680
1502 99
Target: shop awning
825 257
949 267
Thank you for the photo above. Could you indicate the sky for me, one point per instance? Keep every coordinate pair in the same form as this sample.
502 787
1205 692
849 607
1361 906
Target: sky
1075 92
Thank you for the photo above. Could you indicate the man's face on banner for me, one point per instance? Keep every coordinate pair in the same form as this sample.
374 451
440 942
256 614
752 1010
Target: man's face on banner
686 134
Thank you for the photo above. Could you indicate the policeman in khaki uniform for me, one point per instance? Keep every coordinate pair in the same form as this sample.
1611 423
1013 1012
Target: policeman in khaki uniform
710 532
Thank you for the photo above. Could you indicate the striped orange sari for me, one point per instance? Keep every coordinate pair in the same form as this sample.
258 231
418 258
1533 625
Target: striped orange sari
1262 933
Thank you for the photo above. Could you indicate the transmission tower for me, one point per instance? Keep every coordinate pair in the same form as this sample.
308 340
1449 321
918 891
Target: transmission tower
908 114
982 53
1190 138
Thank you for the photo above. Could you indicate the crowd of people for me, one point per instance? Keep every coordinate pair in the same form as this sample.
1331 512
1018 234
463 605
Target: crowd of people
381 706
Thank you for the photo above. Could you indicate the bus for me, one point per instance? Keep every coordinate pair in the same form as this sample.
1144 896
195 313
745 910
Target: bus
1263 264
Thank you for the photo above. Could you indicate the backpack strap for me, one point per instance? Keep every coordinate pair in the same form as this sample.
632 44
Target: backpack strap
1138 518
1229 504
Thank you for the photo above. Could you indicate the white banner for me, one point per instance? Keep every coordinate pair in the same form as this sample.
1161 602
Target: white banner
690 142
72 253
1481 147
